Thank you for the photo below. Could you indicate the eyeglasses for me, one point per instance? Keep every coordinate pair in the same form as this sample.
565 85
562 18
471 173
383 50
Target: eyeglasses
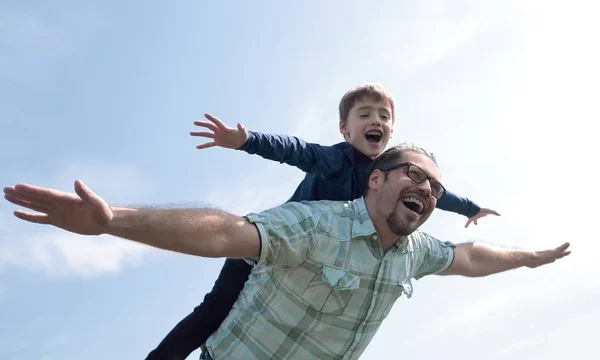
419 176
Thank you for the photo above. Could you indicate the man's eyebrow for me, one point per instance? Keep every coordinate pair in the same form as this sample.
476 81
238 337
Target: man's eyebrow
366 107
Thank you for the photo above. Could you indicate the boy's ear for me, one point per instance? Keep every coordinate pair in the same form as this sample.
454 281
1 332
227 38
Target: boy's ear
343 128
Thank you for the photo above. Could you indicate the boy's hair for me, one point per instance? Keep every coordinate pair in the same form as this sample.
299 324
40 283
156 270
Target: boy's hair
369 91
393 155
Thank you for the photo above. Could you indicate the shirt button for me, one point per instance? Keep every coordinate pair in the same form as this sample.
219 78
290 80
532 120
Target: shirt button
374 237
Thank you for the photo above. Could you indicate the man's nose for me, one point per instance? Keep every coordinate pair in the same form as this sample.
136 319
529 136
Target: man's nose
425 188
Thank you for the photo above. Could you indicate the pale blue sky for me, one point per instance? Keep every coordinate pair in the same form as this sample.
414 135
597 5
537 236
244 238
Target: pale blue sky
504 93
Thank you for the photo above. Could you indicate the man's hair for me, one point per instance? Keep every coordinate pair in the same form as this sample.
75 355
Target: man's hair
374 92
392 156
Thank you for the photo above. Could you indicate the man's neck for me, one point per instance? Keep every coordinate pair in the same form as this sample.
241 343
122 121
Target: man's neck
386 237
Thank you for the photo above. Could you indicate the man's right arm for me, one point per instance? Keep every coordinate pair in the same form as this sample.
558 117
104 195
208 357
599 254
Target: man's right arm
308 157
283 236
201 232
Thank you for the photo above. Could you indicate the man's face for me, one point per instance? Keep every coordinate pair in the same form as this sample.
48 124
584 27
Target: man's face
405 204
368 127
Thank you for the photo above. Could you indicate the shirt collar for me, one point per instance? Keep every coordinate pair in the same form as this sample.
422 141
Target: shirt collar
362 225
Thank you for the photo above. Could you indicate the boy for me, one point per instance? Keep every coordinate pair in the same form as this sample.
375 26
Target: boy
337 172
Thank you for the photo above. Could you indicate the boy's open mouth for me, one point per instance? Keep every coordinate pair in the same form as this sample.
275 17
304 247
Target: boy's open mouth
413 204
374 136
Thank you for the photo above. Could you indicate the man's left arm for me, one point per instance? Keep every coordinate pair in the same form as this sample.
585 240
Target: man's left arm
476 259
463 206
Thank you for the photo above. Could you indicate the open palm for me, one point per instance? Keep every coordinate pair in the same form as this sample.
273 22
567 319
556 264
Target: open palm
82 213
221 134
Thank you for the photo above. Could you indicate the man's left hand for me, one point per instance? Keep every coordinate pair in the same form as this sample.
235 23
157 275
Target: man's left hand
549 256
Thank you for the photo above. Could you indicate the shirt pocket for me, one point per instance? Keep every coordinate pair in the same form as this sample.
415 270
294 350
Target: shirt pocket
396 289
330 290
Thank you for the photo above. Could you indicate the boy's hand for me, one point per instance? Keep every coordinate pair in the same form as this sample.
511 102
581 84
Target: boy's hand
221 134
483 212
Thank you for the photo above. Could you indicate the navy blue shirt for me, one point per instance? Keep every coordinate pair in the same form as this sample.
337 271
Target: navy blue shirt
337 172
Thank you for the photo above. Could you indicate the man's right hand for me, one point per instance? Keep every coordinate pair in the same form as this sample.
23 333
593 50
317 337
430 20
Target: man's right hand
82 213
221 134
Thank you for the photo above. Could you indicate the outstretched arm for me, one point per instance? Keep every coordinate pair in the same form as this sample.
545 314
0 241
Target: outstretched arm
463 206
475 259
308 157
202 232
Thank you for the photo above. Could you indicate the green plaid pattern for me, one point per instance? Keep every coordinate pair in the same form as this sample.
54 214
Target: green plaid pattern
322 285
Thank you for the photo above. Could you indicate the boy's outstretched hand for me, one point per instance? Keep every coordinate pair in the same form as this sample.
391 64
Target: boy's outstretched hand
483 212
221 134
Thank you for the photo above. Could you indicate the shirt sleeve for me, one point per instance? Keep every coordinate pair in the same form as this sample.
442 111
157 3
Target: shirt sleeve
438 256
308 157
457 204
288 234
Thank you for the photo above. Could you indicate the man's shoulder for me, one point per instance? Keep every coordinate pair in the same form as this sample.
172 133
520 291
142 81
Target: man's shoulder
320 207
421 241
317 209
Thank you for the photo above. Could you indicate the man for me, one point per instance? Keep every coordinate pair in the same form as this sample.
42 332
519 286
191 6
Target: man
328 272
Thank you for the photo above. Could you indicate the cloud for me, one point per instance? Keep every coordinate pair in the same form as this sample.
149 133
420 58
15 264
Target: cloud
55 252
65 254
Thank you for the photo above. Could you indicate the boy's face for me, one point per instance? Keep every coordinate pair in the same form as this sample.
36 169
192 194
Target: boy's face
368 127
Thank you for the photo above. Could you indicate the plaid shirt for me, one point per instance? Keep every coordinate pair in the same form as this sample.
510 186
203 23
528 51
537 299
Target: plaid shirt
323 283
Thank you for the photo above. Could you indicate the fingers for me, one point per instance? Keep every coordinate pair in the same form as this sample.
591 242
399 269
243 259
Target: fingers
85 193
468 223
206 146
26 204
203 134
563 247
34 218
30 194
207 125
215 120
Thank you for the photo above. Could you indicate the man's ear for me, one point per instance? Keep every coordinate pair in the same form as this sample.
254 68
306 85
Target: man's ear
375 179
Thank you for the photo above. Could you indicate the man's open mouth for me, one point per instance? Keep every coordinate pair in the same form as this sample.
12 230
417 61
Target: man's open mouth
374 136
413 204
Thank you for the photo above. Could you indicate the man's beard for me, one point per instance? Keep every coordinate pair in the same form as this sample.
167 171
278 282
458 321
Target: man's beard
398 227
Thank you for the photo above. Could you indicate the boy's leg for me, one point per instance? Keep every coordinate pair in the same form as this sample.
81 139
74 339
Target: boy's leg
196 328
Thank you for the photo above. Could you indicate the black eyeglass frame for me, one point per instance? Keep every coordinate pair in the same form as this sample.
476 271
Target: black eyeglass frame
408 165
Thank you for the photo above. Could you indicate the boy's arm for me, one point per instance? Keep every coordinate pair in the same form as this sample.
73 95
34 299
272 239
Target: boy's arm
463 206
310 158
457 204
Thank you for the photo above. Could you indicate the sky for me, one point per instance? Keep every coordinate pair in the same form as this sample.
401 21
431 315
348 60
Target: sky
505 93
